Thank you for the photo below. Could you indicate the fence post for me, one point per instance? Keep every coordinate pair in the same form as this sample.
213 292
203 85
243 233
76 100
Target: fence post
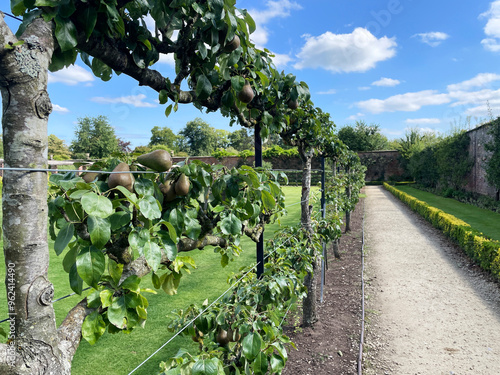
323 215
258 163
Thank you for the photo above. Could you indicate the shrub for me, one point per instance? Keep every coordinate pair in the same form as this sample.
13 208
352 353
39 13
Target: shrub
485 251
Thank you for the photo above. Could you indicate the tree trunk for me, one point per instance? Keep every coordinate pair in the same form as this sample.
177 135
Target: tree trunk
34 346
348 192
336 242
309 303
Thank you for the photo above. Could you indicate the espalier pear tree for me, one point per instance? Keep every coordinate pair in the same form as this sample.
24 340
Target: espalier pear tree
109 238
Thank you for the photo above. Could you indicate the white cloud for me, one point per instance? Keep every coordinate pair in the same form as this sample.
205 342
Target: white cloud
481 79
58 108
386 82
364 88
281 60
492 108
492 28
133 100
72 75
474 97
422 121
433 39
355 117
328 92
356 52
274 9
408 102
167 59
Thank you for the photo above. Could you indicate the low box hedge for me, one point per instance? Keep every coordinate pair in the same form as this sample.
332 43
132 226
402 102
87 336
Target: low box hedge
485 251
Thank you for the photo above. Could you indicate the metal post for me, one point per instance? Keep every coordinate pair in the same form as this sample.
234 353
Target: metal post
323 215
258 163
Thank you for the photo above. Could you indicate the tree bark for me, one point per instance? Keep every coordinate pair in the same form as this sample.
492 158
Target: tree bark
34 346
309 303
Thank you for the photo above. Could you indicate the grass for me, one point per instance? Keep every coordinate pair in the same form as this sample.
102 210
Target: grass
119 354
485 221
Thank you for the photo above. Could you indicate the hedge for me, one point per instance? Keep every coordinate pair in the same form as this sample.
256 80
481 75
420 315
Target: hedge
485 251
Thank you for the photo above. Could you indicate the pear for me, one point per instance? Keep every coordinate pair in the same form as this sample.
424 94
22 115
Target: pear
89 177
222 338
182 185
246 94
158 160
121 179
168 190
293 104
232 44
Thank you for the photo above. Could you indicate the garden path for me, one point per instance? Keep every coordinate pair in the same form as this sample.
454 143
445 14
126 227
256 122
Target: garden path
429 309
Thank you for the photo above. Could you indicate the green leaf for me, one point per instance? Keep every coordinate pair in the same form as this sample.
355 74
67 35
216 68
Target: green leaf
176 218
250 21
17 7
268 200
260 364
119 219
144 187
75 281
231 225
203 87
115 270
152 253
66 34
150 207
131 283
193 228
63 238
263 78
70 258
99 230
93 327
171 283
120 316
237 83
89 20
277 363
163 97
131 197
168 110
251 345
205 367
171 231
97 205
90 264
106 297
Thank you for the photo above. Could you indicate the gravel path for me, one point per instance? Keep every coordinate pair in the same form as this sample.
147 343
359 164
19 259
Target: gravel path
429 309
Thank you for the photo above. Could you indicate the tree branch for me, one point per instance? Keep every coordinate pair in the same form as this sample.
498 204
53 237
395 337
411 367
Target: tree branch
70 330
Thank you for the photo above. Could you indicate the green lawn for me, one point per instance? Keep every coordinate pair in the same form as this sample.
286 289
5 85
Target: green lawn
485 221
119 354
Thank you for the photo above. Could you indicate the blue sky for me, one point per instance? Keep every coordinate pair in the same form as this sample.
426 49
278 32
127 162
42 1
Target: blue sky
396 63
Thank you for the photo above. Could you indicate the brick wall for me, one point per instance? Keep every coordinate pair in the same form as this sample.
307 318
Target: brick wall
476 181
382 165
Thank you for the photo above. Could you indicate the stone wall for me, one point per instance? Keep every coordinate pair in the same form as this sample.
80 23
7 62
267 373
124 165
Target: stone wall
382 165
476 180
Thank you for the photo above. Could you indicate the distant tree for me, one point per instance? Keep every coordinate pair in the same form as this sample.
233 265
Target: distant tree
124 146
221 138
58 149
242 139
1 146
363 137
163 136
197 138
141 150
95 136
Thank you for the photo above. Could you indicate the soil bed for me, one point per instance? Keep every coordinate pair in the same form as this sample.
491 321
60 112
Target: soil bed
332 345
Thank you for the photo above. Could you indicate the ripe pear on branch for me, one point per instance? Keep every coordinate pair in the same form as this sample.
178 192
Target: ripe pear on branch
158 160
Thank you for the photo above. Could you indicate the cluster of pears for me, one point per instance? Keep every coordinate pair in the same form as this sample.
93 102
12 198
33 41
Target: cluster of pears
159 161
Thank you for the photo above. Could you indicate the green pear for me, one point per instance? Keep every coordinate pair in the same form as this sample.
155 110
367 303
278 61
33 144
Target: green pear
158 160
89 177
246 94
168 190
182 185
121 179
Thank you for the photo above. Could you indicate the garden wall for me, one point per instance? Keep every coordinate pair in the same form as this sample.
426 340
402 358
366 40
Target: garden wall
476 180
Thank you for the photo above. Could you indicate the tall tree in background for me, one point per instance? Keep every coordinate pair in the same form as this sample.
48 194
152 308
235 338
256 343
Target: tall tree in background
94 136
197 138
58 149
241 139
363 137
163 136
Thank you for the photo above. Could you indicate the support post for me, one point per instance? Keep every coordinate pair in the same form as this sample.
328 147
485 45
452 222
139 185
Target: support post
323 215
258 163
